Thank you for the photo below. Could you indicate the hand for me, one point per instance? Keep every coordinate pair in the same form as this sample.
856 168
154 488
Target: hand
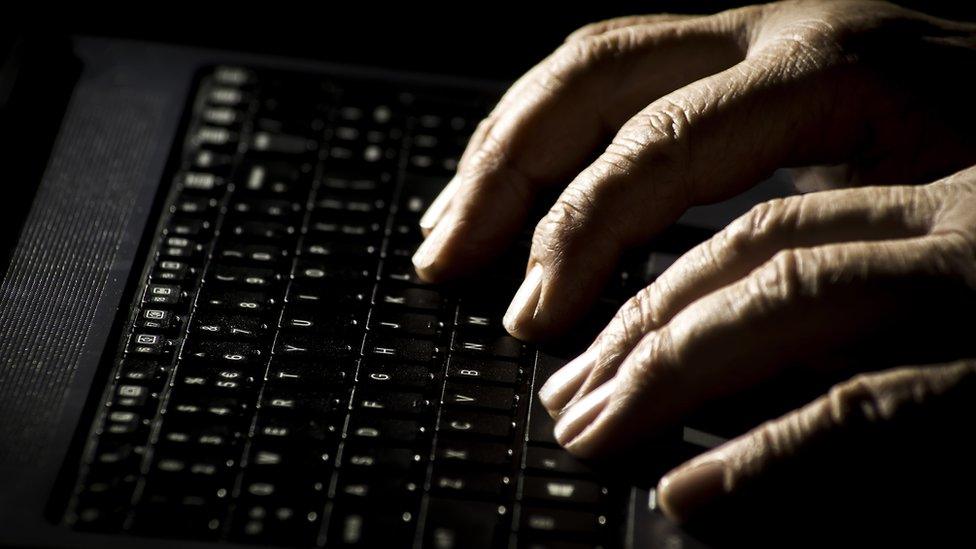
884 460
865 276
690 110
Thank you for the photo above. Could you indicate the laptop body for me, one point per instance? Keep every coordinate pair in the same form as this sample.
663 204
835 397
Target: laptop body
85 268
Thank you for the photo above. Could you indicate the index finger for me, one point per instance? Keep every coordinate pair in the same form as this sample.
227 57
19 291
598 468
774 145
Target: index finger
546 131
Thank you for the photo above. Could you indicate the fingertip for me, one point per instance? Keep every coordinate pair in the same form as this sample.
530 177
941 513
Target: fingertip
522 308
559 389
439 206
577 419
428 260
684 492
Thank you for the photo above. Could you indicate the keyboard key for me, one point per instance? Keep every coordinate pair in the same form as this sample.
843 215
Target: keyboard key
147 345
321 248
276 455
469 395
258 255
164 294
292 429
276 521
549 522
266 142
401 270
329 227
237 354
197 208
316 320
311 348
334 202
475 423
204 183
541 424
452 483
329 270
467 368
371 458
554 461
501 346
391 402
277 179
303 400
229 326
239 302
318 374
172 272
459 452
254 278
370 527
479 320
373 429
207 407
335 180
222 380
453 524
414 298
405 324
574 491
150 372
383 374
398 348
189 228
376 488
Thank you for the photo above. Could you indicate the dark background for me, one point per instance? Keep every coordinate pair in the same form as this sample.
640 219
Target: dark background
482 39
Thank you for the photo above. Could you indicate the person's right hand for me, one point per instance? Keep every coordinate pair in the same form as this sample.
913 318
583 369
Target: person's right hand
689 110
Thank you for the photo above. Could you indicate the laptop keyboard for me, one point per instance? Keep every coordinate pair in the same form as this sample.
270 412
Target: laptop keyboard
285 379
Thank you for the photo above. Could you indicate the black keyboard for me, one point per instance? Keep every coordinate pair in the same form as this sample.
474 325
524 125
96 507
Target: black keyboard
285 379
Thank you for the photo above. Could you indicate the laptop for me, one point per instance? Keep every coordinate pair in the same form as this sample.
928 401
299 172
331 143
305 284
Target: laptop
211 334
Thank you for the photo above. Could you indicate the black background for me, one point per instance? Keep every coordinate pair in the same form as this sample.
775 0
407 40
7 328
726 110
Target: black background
481 39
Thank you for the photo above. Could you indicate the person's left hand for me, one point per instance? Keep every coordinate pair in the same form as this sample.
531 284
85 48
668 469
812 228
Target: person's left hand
869 275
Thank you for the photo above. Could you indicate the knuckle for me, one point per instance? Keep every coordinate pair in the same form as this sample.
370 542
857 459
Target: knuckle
637 316
647 304
489 155
574 220
853 401
760 223
657 136
772 216
566 216
581 54
570 60
652 359
805 44
780 280
620 157
666 124
588 30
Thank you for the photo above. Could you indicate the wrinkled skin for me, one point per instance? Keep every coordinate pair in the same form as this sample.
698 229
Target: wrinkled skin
686 110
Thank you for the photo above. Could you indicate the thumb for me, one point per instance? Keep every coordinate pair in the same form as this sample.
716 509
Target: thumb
882 457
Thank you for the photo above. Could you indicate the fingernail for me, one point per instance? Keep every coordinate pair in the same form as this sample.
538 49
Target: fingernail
580 415
563 384
685 491
427 252
525 301
437 208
